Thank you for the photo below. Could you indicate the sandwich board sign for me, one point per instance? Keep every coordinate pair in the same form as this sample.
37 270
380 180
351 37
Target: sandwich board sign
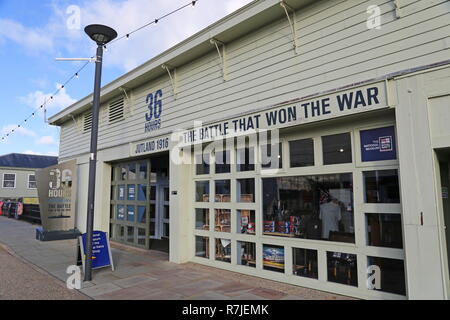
101 250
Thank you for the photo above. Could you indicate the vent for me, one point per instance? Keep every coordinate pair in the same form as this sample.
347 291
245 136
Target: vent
87 122
116 110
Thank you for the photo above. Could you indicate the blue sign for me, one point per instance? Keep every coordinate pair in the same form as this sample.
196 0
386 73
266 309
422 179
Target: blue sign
101 252
378 144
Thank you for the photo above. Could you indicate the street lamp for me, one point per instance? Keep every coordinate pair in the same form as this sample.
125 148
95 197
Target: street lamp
101 35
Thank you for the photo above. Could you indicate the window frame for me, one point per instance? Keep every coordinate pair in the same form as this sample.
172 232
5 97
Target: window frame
15 180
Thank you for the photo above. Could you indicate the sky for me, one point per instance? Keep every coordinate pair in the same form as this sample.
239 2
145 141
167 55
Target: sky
35 32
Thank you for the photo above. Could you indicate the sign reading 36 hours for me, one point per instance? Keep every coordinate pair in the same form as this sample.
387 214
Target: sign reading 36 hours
155 109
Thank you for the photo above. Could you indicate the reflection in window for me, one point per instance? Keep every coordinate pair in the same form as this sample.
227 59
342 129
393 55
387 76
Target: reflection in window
273 258
132 171
342 268
223 250
245 159
142 192
142 210
121 192
311 207
120 212
246 221
141 237
269 159
246 190
202 164
143 170
305 263
202 219
223 220
392 274
131 192
202 247
337 149
130 234
202 191
246 254
130 213
223 191
222 162
384 230
301 153
381 186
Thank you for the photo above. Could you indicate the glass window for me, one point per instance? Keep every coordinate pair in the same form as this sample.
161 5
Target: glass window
342 268
142 192
152 211
130 234
166 194
32 181
337 149
120 212
392 272
246 190
246 254
130 213
202 164
246 221
9 180
269 159
223 250
223 220
120 230
113 192
142 218
245 159
141 237
312 207
222 162
143 168
273 258
202 247
202 191
223 191
121 192
381 186
131 192
123 173
152 193
384 230
301 153
132 171
305 263
166 212
202 219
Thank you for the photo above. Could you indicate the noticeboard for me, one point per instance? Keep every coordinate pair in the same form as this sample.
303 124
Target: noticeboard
101 250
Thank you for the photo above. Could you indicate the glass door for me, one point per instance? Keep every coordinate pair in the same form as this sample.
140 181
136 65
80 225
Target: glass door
165 211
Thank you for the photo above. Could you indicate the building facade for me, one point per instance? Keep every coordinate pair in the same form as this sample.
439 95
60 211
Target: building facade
298 141
17 172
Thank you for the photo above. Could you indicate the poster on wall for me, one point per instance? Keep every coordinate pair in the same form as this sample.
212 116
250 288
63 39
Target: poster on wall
378 144
57 194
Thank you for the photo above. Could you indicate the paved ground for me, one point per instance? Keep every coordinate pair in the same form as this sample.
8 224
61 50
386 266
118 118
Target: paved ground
20 281
145 275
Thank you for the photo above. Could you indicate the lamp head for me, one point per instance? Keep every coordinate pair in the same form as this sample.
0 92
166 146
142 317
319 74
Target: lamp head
100 34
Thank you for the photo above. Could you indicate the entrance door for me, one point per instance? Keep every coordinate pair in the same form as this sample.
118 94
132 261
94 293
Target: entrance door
444 171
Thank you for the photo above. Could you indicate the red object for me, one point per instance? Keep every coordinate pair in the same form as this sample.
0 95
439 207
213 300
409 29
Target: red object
1 208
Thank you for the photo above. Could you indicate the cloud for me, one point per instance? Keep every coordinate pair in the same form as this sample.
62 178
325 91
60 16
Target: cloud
156 38
47 140
60 101
32 38
21 131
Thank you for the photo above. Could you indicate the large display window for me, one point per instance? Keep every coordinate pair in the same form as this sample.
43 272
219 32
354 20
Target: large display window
322 215
311 207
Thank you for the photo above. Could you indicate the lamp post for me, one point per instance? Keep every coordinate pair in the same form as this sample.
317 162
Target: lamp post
101 35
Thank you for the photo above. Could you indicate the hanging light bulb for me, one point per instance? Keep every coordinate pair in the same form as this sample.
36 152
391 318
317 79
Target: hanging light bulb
128 37
193 3
76 75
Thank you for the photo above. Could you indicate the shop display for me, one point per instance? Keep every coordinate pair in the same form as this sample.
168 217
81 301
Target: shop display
247 221
273 258
247 254
223 220
223 250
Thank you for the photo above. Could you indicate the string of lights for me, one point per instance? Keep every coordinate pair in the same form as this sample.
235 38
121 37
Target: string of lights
77 73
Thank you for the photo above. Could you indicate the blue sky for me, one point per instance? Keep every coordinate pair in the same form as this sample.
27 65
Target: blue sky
35 32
